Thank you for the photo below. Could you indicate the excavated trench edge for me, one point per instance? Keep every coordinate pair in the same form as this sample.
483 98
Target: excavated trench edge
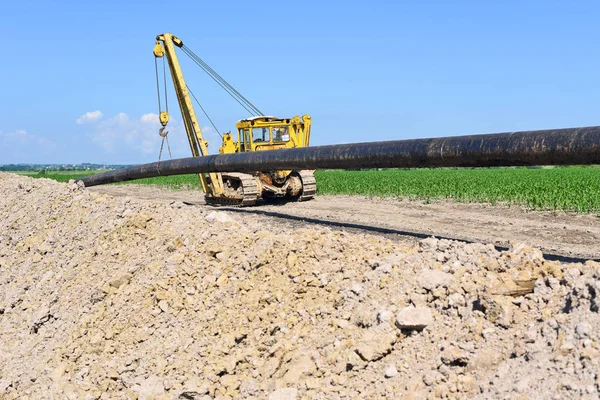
389 231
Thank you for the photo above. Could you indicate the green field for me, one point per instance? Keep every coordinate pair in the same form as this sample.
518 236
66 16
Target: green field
565 188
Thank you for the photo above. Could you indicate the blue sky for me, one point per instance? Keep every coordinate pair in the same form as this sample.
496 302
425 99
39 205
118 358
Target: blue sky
78 80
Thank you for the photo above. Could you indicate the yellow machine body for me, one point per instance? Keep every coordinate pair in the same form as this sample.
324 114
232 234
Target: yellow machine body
260 133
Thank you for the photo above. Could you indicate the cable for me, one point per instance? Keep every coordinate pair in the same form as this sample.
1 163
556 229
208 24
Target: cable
221 79
243 101
250 111
165 79
157 84
204 111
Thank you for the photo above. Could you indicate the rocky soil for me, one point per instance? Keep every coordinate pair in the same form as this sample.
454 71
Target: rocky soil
110 297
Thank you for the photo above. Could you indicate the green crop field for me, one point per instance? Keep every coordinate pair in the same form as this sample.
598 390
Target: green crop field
565 188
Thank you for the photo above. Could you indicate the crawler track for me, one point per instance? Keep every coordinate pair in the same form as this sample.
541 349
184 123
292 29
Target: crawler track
309 185
249 189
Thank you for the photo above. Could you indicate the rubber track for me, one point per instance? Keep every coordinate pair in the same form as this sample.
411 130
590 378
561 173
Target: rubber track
309 185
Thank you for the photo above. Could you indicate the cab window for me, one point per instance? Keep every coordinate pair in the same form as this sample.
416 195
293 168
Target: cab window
281 134
260 135
244 139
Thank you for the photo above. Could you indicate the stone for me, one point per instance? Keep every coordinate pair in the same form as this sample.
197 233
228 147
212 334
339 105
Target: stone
390 371
284 394
498 309
193 389
231 382
583 329
356 288
303 366
219 216
150 388
432 278
374 344
487 358
429 243
384 316
292 259
431 378
414 318
454 356
40 317
530 336
4 385
120 281
164 306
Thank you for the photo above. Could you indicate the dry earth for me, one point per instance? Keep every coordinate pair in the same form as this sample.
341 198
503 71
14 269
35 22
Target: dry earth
563 234
119 297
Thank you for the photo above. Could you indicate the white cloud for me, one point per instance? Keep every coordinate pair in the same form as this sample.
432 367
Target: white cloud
150 117
88 117
140 136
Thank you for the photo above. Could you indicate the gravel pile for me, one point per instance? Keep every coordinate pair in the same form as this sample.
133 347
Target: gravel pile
106 297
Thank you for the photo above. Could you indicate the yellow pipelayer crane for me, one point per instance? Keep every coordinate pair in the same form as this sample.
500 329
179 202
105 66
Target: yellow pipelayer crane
257 133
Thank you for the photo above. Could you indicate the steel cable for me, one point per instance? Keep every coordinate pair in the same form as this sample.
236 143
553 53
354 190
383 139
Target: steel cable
204 111
222 82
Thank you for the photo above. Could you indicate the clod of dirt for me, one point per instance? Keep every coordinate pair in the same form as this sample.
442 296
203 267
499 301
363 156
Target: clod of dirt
104 297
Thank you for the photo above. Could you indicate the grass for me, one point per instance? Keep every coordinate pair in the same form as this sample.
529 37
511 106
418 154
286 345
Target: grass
562 188
567 188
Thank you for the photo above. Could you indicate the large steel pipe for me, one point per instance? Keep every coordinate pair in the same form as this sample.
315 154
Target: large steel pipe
569 146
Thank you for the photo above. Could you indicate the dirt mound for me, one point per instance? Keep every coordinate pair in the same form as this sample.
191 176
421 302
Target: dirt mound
105 297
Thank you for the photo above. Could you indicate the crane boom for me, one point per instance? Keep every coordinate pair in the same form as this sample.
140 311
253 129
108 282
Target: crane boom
165 46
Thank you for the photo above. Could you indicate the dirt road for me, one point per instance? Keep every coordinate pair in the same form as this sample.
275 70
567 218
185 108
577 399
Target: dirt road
562 234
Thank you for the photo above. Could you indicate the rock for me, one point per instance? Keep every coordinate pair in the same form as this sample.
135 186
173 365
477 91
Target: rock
231 382
304 366
429 243
541 288
120 281
485 359
456 300
40 317
284 394
150 388
4 385
531 335
249 388
418 299
384 316
219 216
356 288
583 329
414 318
572 274
390 371
433 278
455 356
164 306
567 345
431 378
292 259
374 344
498 309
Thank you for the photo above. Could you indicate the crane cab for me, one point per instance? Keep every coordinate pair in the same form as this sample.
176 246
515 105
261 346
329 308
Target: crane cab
268 133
